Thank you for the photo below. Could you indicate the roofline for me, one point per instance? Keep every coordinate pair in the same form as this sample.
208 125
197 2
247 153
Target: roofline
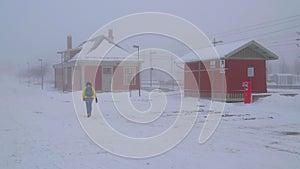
91 62
272 56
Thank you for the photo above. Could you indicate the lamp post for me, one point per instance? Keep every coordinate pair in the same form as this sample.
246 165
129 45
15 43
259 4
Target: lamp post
151 69
139 80
42 73
62 69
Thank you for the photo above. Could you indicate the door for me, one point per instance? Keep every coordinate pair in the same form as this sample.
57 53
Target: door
107 73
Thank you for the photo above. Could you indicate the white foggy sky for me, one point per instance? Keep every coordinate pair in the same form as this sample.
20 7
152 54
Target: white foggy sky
35 29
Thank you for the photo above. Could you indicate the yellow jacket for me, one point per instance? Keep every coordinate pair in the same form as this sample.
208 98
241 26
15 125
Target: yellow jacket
84 96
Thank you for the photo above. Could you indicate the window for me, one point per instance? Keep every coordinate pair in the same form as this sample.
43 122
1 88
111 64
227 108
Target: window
213 64
250 71
222 66
129 75
222 63
107 70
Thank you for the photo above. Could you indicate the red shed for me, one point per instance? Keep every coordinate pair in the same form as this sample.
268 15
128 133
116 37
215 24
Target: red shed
238 62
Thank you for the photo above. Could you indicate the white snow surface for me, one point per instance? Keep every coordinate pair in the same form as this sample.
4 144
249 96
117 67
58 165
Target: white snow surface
39 130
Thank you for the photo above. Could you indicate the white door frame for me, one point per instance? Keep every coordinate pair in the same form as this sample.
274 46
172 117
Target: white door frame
104 82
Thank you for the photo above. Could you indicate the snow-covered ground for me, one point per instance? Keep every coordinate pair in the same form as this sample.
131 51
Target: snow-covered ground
39 129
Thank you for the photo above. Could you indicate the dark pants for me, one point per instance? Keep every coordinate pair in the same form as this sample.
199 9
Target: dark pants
88 102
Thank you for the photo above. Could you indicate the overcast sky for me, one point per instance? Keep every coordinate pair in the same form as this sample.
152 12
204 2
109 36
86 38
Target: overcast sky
35 29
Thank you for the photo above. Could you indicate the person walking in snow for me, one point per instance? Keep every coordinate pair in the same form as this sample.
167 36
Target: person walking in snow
88 95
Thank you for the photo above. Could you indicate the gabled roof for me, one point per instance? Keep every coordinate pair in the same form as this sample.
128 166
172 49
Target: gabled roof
115 54
229 50
99 54
265 53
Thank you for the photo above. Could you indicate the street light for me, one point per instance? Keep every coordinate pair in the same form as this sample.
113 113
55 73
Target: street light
151 69
62 69
139 80
42 75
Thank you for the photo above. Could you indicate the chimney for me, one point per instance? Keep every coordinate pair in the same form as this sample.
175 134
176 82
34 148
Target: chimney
69 47
69 42
110 35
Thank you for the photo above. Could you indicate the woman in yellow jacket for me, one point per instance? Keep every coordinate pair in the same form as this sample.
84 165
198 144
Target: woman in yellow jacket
88 96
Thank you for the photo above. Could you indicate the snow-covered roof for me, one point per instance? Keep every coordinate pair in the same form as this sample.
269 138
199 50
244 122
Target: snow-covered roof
266 54
227 51
105 52
203 54
100 53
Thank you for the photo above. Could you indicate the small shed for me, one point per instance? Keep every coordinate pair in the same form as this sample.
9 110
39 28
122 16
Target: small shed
238 62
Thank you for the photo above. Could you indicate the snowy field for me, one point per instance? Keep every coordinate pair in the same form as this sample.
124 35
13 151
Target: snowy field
40 130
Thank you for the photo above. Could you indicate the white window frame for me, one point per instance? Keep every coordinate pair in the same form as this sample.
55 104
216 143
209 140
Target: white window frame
250 71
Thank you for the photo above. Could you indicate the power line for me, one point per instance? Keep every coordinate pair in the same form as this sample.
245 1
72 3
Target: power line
256 25
254 29
262 34
216 42
284 42
281 44
270 40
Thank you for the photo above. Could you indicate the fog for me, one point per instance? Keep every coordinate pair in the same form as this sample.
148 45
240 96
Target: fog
33 29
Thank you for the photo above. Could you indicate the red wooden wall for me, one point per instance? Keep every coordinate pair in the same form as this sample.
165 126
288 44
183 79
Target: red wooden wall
236 73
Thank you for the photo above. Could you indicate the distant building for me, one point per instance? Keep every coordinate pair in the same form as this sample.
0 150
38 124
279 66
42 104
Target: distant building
239 62
283 80
159 70
106 74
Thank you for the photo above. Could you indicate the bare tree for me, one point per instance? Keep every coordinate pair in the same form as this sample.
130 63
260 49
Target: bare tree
35 72
297 66
283 66
269 68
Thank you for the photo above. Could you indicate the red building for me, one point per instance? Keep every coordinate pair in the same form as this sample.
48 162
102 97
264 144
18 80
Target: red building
243 61
106 74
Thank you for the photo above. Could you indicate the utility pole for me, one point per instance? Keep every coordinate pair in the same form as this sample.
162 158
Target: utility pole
216 42
298 39
298 66
151 68
62 69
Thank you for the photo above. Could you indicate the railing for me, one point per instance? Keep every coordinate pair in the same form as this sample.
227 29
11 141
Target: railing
283 86
164 85
236 96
